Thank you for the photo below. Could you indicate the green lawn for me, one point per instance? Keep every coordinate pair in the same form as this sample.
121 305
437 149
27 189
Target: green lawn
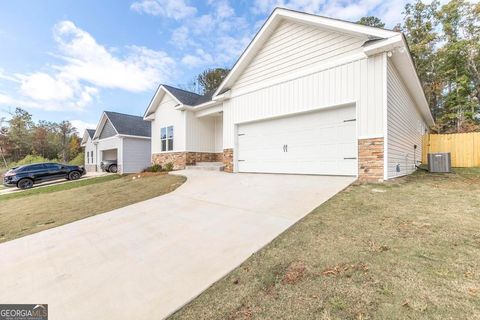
35 210
407 249
59 187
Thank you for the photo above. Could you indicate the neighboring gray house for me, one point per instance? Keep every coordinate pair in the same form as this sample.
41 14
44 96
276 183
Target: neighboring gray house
122 137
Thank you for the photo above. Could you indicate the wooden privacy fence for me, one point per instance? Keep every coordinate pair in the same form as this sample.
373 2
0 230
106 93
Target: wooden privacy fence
464 147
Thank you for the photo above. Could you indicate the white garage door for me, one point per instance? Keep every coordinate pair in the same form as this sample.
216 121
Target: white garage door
322 142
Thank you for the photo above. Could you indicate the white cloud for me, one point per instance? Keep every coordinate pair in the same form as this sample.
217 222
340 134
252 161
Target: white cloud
213 39
43 87
180 37
81 125
176 9
390 11
87 66
200 58
87 60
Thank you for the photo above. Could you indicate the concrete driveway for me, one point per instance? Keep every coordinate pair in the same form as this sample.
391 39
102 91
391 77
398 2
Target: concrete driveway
146 260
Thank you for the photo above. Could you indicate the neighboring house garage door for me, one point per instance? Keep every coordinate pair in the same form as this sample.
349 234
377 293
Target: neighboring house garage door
321 142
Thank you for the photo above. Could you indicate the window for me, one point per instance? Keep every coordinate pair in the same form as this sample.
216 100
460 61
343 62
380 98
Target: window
88 156
166 138
53 166
91 156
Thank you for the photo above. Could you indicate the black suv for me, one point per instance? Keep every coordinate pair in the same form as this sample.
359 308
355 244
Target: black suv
25 176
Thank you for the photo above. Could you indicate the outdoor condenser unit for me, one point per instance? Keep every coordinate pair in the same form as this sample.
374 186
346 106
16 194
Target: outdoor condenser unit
440 162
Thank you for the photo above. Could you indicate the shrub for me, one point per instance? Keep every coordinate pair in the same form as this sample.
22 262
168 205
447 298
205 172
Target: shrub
153 168
79 160
168 166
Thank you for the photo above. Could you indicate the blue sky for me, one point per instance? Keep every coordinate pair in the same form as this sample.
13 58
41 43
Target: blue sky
69 60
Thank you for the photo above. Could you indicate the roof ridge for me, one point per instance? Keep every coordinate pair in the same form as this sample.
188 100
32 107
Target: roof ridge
124 114
166 85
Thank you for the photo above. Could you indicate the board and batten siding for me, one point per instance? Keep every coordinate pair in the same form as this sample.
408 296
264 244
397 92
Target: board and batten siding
136 154
200 133
294 47
165 116
359 81
405 127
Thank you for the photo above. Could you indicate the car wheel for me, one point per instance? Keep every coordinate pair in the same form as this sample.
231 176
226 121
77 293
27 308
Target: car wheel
74 175
25 184
112 168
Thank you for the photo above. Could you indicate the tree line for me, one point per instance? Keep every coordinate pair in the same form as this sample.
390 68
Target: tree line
20 136
444 43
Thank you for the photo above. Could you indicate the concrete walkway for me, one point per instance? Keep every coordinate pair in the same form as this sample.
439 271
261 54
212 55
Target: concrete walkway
146 260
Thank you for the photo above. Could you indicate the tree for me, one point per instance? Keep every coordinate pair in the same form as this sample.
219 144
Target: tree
19 133
74 147
211 79
66 130
459 65
419 28
371 21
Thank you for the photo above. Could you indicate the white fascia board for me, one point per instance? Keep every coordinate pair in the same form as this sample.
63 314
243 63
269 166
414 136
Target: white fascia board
384 45
154 102
207 105
249 52
403 62
209 111
132 136
335 24
280 14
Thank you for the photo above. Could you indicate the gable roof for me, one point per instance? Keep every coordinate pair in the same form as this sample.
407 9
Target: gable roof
377 40
88 133
124 124
183 97
91 132
127 124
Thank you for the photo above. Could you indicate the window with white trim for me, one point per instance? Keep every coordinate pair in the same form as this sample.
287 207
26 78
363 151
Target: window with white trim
166 138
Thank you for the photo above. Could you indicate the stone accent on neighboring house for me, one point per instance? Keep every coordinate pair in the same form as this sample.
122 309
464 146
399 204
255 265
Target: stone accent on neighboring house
182 159
90 167
228 160
370 160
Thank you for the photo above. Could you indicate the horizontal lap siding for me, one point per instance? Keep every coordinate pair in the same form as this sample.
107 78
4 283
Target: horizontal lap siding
405 127
293 47
360 81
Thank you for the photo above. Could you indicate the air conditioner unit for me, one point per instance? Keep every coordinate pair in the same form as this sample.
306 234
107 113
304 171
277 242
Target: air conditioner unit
440 162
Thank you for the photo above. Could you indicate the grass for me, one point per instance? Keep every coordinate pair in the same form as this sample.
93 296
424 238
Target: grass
59 187
40 210
407 249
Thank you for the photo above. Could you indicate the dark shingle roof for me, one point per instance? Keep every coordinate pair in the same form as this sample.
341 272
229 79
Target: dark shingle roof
129 125
187 97
91 132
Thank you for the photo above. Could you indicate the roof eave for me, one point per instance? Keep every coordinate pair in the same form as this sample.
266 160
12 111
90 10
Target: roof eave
279 14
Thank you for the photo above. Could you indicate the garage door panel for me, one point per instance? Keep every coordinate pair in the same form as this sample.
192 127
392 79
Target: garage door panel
323 142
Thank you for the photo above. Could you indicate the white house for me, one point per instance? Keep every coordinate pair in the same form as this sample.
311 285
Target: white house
310 95
121 137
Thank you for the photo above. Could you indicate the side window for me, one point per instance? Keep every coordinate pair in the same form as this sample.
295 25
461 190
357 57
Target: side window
170 138
163 138
35 167
88 157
